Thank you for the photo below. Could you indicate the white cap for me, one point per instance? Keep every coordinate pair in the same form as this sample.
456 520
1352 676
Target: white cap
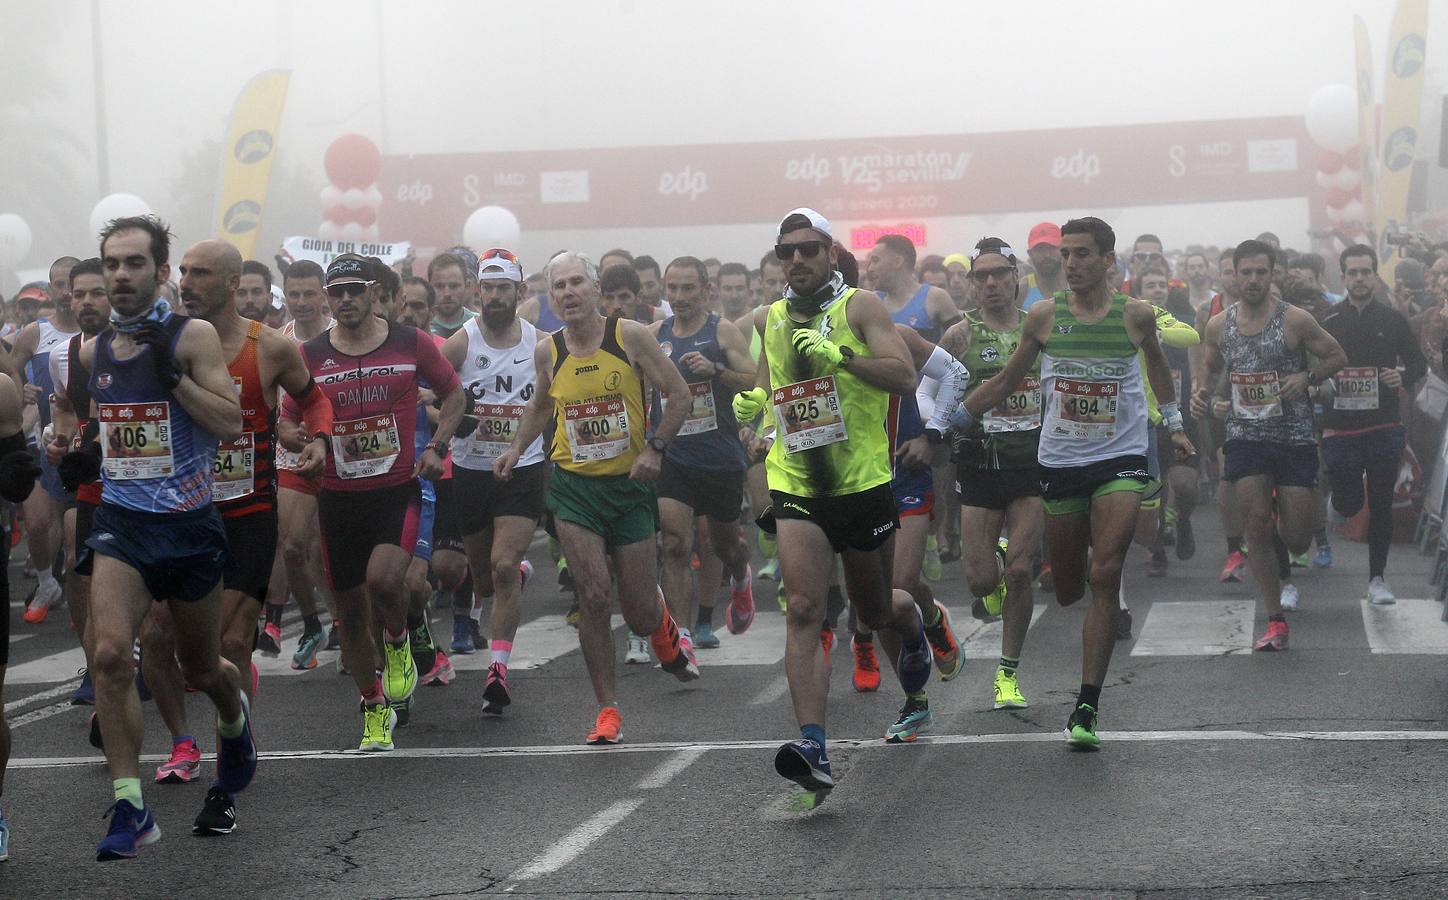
499 268
816 221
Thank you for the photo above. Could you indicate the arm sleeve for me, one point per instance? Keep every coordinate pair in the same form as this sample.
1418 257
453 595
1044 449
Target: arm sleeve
949 378
316 410
290 409
1174 332
433 368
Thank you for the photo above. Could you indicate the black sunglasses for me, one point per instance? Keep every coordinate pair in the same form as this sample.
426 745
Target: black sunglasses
985 274
350 289
807 249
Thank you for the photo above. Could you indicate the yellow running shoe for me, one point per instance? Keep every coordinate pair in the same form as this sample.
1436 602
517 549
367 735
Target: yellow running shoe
930 566
995 601
377 722
1007 692
399 677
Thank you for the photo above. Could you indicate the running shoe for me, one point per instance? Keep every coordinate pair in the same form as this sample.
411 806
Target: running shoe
496 694
995 601
85 692
1289 597
47 594
827 642
94 727
1123 625
685 665
308 645
704 636
183 766
607 728
770 570
378 720
218 813
440 599
525 572
1008 691
236 757
4 838
1186 540
131 829
462 641
1233 568
269 642
1156 566
1168 530
1046 581
399 674
1323 559
913 666
1274 639
402 709
334 637
867 666
741 605
806 764
914 720
1379 594
949 658
1300 561
930 566
441 673
1081 728
574 616
420 644
638 651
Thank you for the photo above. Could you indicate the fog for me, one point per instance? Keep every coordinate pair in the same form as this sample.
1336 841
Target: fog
467 77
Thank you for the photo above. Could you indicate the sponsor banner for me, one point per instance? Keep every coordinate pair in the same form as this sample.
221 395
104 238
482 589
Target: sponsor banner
1367 121
868 179
246 159
1402 99
323 252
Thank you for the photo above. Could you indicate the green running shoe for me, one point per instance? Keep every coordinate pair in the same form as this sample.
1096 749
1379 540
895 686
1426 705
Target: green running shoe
931 567
399 677
1081 728
1008 692
377 722
914 720
422 647
995 601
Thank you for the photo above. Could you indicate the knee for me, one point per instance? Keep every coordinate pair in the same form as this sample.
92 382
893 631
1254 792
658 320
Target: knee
876 616
593 601
981 574
503 570
804 610
1018 577
235 646
676 547
1105 574
112 659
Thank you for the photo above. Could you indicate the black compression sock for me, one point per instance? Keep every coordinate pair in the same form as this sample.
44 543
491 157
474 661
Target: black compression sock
705 616
1234 544
414 620
311 624
274 614
1090 695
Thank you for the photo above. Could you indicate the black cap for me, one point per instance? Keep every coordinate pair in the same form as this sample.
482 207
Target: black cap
349 268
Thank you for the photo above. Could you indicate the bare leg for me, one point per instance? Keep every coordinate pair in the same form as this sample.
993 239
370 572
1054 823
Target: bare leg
585 552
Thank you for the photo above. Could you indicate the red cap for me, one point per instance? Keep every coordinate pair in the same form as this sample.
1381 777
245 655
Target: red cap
1044 233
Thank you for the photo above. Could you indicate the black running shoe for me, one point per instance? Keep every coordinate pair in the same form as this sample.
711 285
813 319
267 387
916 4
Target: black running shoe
218 814
95 732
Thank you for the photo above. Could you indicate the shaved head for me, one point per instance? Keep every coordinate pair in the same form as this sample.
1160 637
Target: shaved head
222 258
210 273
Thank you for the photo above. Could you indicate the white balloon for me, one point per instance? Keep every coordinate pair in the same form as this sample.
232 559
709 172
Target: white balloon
373 196
1334 215
491 226
14 239
117 206
1353 211
331 196
1324 180
329 230
1332 118
352 231
353 198
1346 179
370 233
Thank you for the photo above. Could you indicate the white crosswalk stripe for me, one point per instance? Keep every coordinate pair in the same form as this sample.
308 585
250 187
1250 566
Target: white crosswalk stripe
1412 625
1196 628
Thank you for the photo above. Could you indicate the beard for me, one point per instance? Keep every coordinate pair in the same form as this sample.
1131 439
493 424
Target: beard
498 318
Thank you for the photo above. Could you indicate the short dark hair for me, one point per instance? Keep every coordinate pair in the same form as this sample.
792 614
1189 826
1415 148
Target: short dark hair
159 231
616 251
769 259
847 265
1147 239
619 277
901 246
1311 261
444 260
933 264
1357 250
256 267
424 283
391 282
688 262
1226 254
734 268
648 263
1190 253
64 261
1100 232
304 268
92 266
1254 247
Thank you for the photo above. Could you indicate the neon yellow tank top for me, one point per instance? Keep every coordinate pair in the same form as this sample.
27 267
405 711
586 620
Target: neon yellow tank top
598 412
830 439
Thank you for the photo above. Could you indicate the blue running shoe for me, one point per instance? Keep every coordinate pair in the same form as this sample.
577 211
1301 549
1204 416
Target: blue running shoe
4 838
131 829
85 692
463 636
307 647
913 666
804 762
236 757
1323 559
914 719
704 636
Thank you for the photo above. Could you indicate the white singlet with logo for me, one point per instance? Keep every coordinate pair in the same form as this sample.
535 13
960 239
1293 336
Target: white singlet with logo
501 382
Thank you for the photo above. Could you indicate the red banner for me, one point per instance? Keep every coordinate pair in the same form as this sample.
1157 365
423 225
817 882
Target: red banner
427 198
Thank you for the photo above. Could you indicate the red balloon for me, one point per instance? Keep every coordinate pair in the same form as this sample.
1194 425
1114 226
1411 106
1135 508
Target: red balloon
1337 198
339 214
364 216
1329 162
1353 158
352 161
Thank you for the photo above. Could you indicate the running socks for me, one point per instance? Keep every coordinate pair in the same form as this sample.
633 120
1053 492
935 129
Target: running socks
1279 617
311 624
1090 695
476 613
129 789
500 651
393 637
933 618
705 616
229 729
1234 545
178 740
374 694
814 733
274 614
1009 665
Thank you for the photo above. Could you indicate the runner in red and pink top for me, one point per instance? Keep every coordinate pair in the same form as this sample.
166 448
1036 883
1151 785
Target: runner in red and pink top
370 368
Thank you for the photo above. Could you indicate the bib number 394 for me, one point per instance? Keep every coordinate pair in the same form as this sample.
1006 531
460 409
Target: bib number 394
362 448
497 423
136 438
808 413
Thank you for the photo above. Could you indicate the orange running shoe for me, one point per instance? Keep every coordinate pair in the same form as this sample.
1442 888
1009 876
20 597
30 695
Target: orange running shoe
607 728
867 666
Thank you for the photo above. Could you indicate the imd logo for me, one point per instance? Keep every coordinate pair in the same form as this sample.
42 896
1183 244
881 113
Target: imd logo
243 216
254 146
1399 147
1408 55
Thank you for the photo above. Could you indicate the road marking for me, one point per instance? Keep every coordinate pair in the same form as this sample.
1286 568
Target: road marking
1196 628
576 841
669 768
771 692
17 638
761 645
48 669
1411 625
38 715
59 690
983 641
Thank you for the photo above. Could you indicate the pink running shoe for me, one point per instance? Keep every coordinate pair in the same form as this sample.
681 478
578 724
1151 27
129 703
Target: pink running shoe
183 766
442 671
741 604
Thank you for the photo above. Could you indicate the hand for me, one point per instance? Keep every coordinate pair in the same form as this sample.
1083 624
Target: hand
313 458
1220 408
429 466
758 448
79 466
698 364
914 454
32 394
154 335
18 471
1294 386
1182 445
1198 403
426 397
1391 378
466 426
503 465
812 343
56 448
747 404
646 465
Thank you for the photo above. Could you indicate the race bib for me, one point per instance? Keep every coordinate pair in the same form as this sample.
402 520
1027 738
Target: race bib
1256 395
497 423
597 429
1020 411
1357 388
701 409
286 459
362 448
808 413
1086 409
234 469
137 440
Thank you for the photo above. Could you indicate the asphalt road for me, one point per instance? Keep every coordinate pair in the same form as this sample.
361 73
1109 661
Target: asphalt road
1319 772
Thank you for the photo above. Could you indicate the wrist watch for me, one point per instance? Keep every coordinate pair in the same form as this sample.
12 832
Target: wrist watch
658 444
847 354
441 448
1312 378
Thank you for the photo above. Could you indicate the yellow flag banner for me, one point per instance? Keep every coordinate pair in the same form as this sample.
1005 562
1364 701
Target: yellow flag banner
1367 125
246 159
1402 102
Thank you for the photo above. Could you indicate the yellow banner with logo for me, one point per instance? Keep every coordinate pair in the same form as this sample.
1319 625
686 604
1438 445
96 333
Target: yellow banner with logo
246 159
1367 124
1402 102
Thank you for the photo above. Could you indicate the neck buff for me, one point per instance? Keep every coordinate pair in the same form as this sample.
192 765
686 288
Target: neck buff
812 304
159 311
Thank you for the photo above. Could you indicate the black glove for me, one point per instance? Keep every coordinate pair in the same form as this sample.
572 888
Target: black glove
155 336
466 426
80 467
18 471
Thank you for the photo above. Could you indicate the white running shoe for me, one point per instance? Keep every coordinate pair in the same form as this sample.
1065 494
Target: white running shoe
1289 597
1379 594
638 651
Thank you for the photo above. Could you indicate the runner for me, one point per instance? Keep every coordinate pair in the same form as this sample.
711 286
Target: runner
1271 456
1093 440
158 382
1235 564
771 281
830 360
1364 435
589 381
455 292
369 502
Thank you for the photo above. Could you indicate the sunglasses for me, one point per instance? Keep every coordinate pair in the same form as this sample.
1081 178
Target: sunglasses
498 253
983 275
348 289
807 249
